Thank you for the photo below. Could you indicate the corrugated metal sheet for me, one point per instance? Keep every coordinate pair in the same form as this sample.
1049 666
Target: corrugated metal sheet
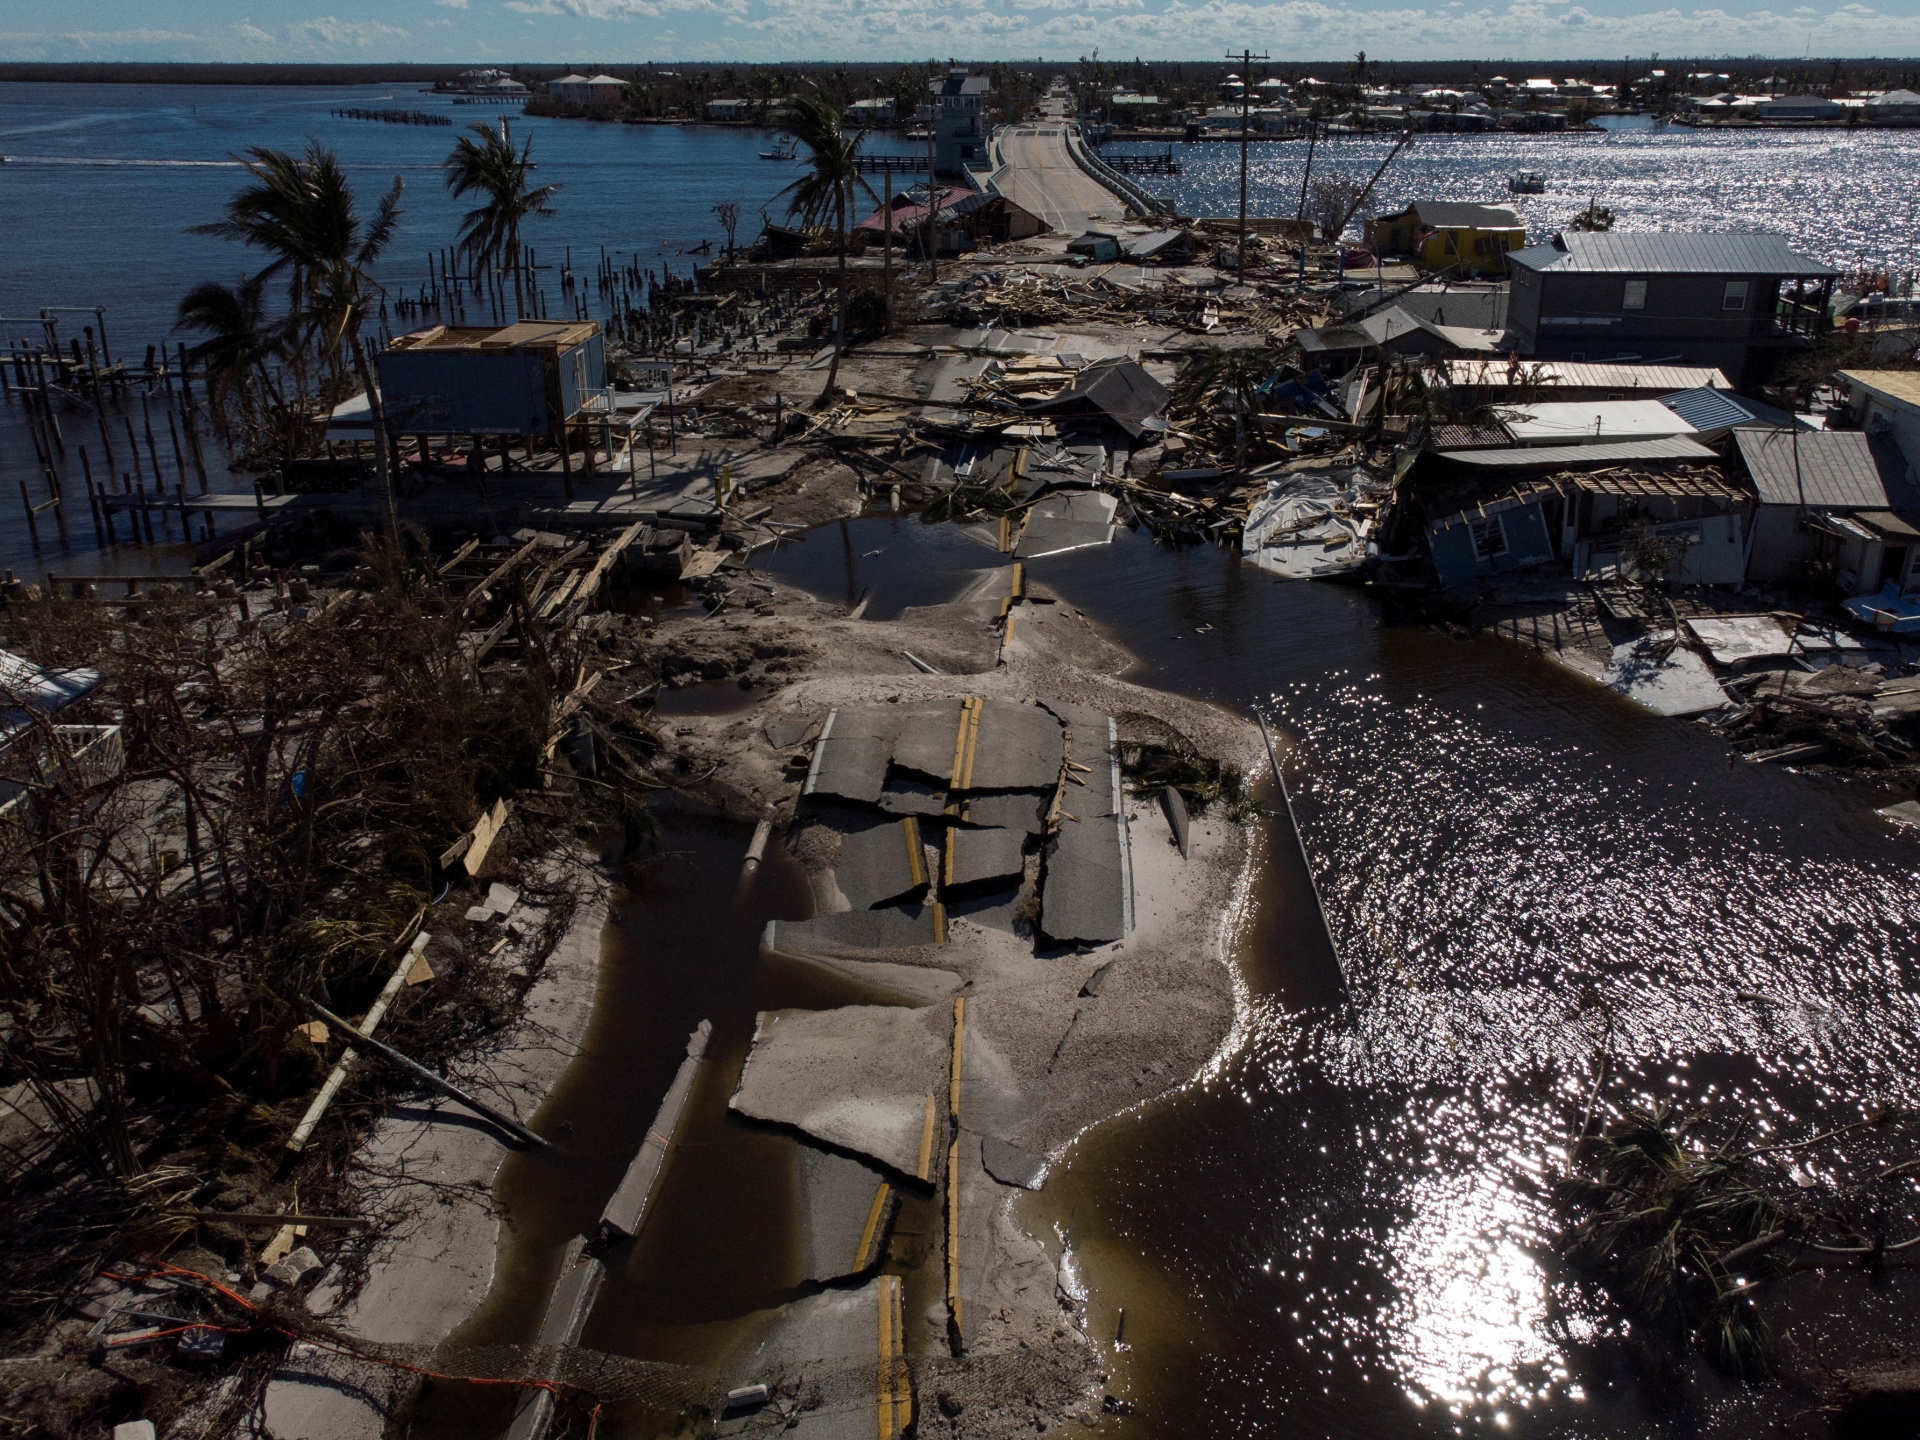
1652 380
1452 215
1709 410
1567 457
1719 252
1827 469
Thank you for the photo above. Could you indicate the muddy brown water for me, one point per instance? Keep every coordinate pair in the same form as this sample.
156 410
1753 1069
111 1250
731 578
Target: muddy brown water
1337 1229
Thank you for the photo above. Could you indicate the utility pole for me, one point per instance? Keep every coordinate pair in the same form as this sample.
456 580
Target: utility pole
933 186
1246 59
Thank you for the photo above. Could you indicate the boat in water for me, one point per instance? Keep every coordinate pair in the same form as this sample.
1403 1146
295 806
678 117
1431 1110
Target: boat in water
782 150
1527 182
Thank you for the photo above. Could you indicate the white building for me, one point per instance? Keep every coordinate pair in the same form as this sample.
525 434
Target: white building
729 110
870 114
959 136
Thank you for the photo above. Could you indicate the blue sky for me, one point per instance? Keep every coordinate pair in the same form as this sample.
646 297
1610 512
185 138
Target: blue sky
584 31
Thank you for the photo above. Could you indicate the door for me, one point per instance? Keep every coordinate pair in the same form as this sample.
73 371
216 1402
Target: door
1893 567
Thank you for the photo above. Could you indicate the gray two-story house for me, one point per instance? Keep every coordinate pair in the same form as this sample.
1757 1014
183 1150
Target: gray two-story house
1732 300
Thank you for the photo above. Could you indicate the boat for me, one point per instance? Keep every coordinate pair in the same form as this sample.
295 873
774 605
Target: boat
782 150
1527 182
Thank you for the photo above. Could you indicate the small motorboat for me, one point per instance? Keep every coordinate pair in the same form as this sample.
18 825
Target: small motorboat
782 150
1527 182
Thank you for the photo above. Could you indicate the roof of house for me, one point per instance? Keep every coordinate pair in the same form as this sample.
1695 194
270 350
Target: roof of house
1153 242
1121 390
958 200
1902 386
1383 327
1827 469
1896 97
1477 307
1453 215
1719 252
1584 375
1566 457
959 83
1710 411
1560 422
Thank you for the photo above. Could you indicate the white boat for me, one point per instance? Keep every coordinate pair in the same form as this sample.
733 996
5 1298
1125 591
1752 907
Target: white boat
1527 182
782 150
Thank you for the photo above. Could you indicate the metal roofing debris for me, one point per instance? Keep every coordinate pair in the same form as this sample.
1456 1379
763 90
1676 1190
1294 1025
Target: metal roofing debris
27 689
1615 379
1720 252
1556 422
1712 411
1826 469
862 1077
1067 520
1118 390
881 863
1533 457
974 856
1677 683
1736 639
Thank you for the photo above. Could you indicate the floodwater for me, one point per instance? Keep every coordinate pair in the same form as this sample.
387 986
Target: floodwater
1338 1229
890 561
1843 197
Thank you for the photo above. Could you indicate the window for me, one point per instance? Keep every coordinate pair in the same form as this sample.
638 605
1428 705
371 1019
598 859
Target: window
1735 297
1634 296
1489 538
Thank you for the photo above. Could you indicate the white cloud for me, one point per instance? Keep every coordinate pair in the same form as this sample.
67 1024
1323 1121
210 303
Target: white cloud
624 9
455 4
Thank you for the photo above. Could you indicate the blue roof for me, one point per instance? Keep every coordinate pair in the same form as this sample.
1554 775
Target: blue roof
1716 252
1707 410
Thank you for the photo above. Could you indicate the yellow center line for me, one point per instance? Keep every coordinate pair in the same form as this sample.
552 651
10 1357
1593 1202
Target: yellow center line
862 1258
926 1142
953 1077
916 860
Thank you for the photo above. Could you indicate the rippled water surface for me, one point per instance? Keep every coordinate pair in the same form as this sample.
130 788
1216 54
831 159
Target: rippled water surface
1847 198
1340 1231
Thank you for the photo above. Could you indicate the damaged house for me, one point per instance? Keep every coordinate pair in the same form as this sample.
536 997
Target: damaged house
1842 501
1599 509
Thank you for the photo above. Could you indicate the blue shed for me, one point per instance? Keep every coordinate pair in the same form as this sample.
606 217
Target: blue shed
528 378
1509 533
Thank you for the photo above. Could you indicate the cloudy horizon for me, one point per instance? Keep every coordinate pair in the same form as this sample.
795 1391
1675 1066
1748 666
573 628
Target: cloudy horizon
756 31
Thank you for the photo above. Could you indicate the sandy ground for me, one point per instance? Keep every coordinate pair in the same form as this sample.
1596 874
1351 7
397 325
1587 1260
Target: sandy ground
428 1174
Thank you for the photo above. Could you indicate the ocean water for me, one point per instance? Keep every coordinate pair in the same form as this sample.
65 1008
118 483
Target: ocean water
1846 198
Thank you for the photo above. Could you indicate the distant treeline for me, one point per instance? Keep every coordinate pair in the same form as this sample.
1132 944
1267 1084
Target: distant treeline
695 80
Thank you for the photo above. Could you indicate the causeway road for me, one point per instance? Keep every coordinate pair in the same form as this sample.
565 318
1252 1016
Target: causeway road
1042 178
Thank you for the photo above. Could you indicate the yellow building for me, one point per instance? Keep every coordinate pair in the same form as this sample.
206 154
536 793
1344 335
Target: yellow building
1442 235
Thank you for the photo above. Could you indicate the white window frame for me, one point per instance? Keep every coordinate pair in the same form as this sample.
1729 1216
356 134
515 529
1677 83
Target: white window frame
1633 295
1492 528
1734 297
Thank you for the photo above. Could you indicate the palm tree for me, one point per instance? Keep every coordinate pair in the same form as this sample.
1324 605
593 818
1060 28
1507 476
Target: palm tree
825 195
240 341
485 163
302 212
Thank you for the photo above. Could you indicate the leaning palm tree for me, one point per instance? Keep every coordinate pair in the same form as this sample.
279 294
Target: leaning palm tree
826 194
486 164
301 211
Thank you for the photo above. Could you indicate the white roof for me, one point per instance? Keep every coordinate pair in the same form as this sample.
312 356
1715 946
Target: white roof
569 80
1591 422
606 80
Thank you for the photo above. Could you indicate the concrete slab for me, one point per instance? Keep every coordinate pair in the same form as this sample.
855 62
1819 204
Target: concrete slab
925 738
862 1078
1010 1165
915 984
1012 747
908 793
881 863
792 730
846 1208
977 856
892 928
627 1210
1679 684
1733 640
1067 520
1086 889
974 1194
1009 810
850 757
841 1351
